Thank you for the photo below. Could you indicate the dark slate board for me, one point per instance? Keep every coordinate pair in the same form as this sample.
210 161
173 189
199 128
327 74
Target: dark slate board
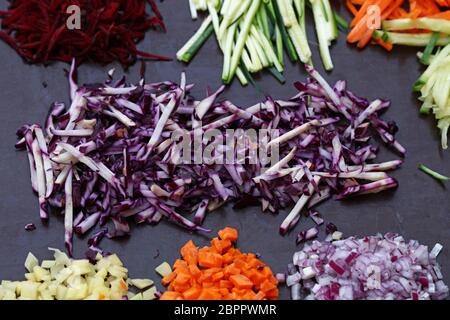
419 209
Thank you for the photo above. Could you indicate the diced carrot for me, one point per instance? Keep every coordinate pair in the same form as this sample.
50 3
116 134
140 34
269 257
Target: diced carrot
267 286
192 293
194 270
209 259
169 295
255 263
228 258
219 272
231 270
225 284
256 277
208 284
167 279
272 294
180 287
221 246
189 252
228 234
249 295
224 292
209 294
182 278
217 276
180 264
241 281
260 295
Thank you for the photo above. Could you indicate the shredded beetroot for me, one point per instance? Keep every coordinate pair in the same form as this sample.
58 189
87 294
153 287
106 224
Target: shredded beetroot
110 30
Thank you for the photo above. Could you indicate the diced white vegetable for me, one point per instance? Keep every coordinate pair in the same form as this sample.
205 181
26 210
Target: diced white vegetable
149 294
141 283
436 250
163 269
308 273
31 262
66 279
337 235
137 297
47 264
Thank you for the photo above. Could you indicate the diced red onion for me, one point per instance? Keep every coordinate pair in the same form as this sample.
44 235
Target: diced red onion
371 268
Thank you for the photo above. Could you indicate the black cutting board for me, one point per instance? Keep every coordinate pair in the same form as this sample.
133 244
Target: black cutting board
418 209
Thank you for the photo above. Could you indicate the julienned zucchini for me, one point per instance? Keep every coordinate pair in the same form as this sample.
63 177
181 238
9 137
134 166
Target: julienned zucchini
190 49
253 34
434 87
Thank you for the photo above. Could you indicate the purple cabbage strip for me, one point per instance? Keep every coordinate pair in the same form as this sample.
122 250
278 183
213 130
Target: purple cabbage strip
111 161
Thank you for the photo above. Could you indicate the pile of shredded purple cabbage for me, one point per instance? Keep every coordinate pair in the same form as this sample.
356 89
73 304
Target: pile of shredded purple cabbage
107 159
371 268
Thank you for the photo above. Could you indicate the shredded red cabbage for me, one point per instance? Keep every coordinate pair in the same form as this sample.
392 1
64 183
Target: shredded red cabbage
109 157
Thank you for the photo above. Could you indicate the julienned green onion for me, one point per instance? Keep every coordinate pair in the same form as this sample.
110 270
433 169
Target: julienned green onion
433 173
253 34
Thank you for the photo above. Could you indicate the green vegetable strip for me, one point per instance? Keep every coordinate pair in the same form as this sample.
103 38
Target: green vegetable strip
214 16
249 77
242 38
233 15
341 23
284 34
430 48
260 45
261 54
300 43
433 173
434 86
331 22
216 23
438 25
279 43
225 6
227 52
322 34
268 48
247 61
442 57
296 33
264 21
190 49
415 39
257 64
300 8
278 75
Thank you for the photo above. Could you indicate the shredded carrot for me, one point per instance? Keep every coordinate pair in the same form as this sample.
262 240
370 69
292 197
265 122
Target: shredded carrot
442 15
361 32
351 7
219 272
